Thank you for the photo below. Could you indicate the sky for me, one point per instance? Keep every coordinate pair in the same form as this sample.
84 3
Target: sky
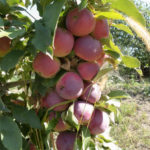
35 13
146 1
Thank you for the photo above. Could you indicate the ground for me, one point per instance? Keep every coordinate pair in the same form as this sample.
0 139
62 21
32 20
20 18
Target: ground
132 129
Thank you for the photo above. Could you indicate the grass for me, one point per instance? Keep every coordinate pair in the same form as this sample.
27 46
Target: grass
132 87
130 131
132 128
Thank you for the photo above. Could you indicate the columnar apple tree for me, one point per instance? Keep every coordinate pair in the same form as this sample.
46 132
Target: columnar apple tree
53 71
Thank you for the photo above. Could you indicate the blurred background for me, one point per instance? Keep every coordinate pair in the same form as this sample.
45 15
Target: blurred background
132 131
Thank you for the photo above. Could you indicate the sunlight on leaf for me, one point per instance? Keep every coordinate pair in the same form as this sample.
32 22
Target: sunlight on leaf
140 30
123 27
110 15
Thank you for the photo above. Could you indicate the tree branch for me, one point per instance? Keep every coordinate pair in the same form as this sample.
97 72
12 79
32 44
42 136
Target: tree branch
8 85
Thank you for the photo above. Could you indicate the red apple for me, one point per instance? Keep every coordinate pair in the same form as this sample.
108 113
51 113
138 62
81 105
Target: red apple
45 66
88 70
91 93
66 140
51 99
101 29
70 86
63 42
80 22
99 123
88 48
83 111
5 44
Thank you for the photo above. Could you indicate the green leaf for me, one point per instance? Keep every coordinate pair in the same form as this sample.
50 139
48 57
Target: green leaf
109 44
115 47
44 3
139 71
50 50
26 144
4 7
111 146
70 118
140 30
43 35
85 132
88 144
128 7
1 22
18 8
3 107
102 105
113 54
13 2
38 86
12 32
118 94
131 62
42 85
52 124
123 27
3 2
78 144
10 60
1 146
49 83
10 133
110 15
23 115
27 3
102 73
105 136
51 15
83 4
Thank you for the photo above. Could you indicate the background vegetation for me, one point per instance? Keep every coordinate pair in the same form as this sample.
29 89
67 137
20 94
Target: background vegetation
132 130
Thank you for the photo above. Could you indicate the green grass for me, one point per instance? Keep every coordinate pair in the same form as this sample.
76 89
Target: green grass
129 131
131 86
132 128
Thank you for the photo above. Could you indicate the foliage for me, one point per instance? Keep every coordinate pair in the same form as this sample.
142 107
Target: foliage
133 45
21 89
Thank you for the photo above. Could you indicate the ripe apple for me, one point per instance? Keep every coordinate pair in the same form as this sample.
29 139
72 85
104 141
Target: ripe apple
83 111
91 93
45 66
80 22
88 48
66 140
99 123
63 42
51 99
70 86
88 70
101 29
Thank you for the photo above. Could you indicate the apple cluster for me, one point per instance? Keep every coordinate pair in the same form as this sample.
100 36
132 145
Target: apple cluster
82 37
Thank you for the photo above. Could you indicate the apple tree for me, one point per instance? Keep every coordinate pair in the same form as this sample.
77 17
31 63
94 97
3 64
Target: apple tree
53 71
